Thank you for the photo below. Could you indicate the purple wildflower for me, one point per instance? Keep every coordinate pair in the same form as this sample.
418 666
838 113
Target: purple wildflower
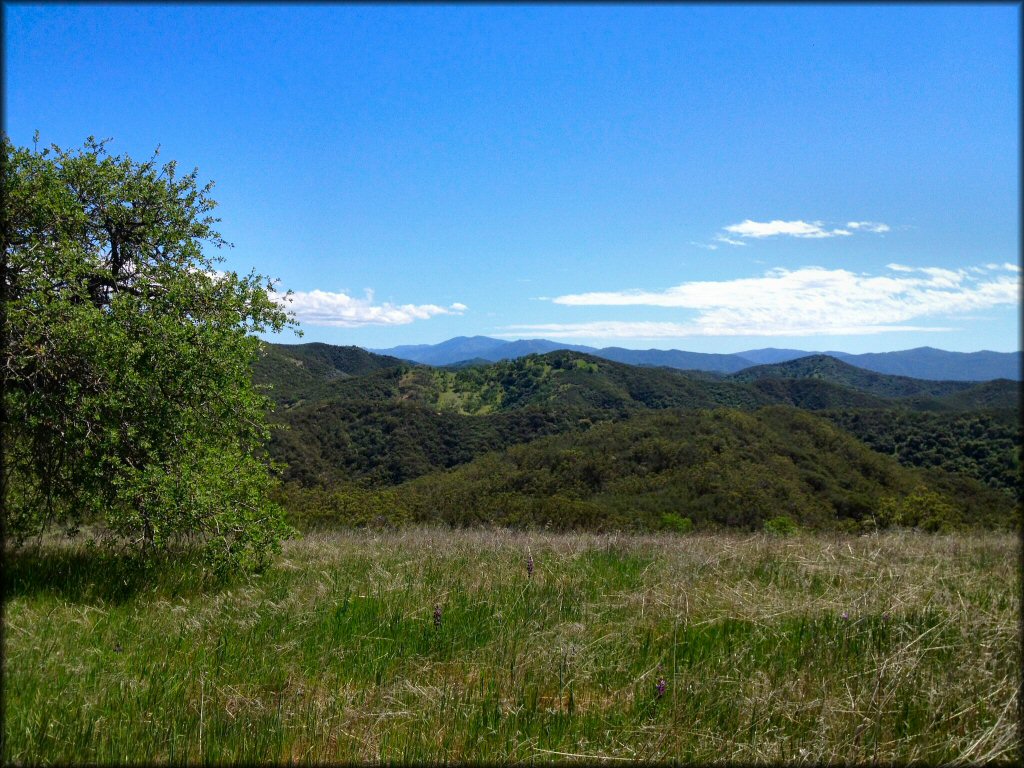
660 687
529 566
845 616
437 615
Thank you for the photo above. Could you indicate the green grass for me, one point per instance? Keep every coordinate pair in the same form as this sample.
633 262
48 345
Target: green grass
334 656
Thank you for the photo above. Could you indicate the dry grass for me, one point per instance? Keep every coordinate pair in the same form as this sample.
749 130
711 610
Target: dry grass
333 655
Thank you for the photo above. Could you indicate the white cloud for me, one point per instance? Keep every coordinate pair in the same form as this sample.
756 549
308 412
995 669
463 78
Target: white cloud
944 278
1011 267
339 309
748 229
759 229
729 240
803 302
868 226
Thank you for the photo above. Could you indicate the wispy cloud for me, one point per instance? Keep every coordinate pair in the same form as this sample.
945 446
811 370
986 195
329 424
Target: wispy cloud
868 226
728 240
759 229
809 301
339 309
748 229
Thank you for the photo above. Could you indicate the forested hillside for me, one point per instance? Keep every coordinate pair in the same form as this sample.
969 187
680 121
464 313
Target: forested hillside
566 439
984 445
836 371
401 421
297 372
566 378
386 442
675 469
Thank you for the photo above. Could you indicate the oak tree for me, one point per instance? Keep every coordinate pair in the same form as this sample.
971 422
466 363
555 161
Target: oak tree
126 360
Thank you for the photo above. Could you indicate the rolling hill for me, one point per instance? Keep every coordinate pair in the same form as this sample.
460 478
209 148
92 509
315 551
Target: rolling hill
562 378
400 421
835 371
294 372
352 416
307 373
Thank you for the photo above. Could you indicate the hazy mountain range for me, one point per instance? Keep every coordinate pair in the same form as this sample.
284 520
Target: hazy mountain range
921 363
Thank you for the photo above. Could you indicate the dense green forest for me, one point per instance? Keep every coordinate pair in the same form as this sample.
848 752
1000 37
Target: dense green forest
383 442
566 440
722 468
984 445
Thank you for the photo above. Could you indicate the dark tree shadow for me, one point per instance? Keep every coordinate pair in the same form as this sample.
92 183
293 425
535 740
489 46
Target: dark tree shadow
97 575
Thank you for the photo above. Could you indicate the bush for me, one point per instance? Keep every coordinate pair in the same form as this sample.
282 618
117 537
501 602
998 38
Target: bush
923 509
670 521
781 526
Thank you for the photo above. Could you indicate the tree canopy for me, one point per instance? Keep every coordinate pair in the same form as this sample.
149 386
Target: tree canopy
127 358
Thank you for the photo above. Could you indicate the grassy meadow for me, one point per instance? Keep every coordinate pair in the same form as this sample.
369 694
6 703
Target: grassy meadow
427 644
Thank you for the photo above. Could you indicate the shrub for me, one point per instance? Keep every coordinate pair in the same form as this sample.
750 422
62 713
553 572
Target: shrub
923 508
781 526
670 521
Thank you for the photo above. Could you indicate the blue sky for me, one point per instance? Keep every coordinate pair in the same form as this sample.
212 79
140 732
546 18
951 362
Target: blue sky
711 178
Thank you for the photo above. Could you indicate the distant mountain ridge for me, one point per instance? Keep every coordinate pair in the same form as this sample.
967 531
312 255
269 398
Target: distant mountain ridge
463 348
920 363
938 364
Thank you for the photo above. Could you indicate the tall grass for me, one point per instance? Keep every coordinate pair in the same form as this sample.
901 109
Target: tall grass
896 647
